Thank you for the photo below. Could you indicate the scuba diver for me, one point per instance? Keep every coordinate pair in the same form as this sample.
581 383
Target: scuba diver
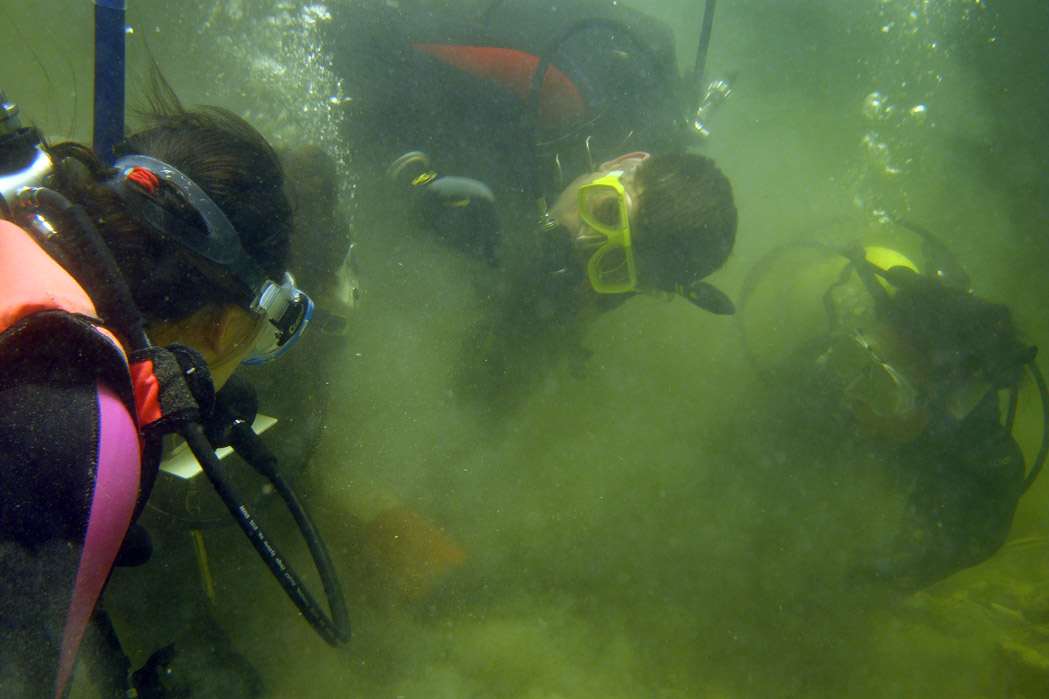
481 121
132 292
909 368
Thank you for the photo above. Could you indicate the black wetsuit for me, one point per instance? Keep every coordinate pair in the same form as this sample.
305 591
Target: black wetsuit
964 480
961 479
48 441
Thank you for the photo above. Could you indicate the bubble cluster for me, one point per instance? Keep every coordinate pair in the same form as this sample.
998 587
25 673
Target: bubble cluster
284 72
876 107
915 77
879 155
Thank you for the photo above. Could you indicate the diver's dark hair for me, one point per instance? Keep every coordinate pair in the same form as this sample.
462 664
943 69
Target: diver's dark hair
959 334
228 159
321 240
686 220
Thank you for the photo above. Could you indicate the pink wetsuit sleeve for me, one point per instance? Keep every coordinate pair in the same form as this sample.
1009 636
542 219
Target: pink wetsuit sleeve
112 505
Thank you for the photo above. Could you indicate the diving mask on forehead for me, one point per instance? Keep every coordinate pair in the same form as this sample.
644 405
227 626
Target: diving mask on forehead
604 207
286 309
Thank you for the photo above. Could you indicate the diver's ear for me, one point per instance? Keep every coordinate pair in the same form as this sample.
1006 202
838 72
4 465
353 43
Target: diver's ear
217 327
613 164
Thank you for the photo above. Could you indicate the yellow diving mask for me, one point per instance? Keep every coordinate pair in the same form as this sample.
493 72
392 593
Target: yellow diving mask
604 207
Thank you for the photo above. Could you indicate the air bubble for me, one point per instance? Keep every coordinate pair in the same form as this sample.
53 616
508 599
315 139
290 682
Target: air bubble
919 113
876 107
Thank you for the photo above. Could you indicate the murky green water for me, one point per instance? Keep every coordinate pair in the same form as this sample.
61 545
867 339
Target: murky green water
644 531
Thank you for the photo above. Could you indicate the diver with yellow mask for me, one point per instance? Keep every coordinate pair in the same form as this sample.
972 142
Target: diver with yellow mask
910 367
639 223
511 104
615 229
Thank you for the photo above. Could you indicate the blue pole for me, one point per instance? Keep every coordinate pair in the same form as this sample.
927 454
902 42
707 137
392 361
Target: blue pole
109 77
704 44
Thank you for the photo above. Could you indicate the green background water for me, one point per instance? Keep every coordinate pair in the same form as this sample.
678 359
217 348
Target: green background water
638 533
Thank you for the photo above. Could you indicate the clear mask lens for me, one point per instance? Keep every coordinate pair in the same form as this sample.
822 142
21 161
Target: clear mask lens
603 208
288 311
868 379
611 266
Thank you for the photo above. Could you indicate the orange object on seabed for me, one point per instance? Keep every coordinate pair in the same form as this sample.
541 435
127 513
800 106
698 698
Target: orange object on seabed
402 554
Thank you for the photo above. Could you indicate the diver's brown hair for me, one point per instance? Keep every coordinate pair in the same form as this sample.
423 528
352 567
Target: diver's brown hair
228 159
959 334
686 220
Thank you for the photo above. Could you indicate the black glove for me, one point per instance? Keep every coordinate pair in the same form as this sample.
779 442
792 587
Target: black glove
197 668
236 401
460 210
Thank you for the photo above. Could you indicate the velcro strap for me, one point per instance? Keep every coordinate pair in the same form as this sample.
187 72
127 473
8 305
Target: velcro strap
55 345
172 387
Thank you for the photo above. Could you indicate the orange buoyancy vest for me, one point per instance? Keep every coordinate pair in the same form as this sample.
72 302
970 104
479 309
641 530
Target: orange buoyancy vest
31 282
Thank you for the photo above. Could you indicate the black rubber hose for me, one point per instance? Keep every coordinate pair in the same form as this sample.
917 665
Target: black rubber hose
1043 393
92 265
253 449
335 629
1010 413
758 272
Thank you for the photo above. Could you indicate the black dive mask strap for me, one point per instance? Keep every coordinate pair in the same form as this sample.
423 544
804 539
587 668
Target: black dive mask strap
868 273
708 297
